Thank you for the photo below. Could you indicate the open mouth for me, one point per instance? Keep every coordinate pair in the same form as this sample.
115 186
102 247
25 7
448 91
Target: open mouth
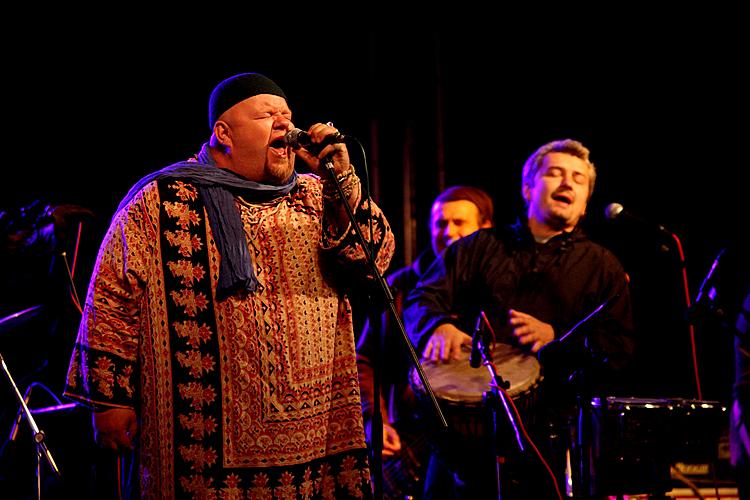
563 198
278 146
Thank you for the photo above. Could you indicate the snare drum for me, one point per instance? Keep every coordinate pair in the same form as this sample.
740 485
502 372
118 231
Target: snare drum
459 388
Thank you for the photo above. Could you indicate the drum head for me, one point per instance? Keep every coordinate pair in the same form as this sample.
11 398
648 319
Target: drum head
457 382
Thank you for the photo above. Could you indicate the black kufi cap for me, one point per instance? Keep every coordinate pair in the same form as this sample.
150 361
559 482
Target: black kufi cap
236 89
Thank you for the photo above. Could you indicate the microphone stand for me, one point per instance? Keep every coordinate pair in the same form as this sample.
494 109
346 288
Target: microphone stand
377 457
493 398
581 447
704 304
39 436
11 321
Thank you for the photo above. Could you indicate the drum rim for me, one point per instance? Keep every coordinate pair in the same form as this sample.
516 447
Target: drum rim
500 352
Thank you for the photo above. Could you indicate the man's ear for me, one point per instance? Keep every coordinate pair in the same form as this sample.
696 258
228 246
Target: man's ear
526 193
222 133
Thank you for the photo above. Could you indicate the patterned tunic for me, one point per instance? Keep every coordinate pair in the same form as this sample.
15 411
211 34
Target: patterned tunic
254 396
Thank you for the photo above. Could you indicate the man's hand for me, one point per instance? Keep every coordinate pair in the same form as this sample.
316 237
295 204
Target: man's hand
445 343
115 429
529 330
391 441
337 152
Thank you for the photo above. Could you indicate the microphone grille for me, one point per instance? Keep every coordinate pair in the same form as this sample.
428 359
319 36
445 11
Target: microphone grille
613 210
292 138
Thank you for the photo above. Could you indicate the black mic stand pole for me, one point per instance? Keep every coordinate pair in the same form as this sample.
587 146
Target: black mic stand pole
493 398
377 457
41 446
582 480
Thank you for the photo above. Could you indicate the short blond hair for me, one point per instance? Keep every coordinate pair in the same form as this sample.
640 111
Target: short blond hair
568 146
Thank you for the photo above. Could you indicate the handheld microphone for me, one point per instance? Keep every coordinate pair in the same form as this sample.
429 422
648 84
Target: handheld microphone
297 138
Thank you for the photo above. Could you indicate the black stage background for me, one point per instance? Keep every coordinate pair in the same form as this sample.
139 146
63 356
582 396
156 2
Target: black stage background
662 105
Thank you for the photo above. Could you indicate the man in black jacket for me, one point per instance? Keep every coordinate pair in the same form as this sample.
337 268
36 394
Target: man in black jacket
533 282
456 212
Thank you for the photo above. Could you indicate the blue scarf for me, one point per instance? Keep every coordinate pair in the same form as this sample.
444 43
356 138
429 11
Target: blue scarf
216 187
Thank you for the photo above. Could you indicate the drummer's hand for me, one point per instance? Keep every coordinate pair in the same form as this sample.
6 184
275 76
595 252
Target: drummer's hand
445 343
391 441
529 330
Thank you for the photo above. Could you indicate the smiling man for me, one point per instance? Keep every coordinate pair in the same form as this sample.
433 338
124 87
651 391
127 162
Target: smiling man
534 281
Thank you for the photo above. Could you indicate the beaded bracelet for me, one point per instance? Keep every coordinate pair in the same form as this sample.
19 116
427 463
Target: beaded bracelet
347 180
345 174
